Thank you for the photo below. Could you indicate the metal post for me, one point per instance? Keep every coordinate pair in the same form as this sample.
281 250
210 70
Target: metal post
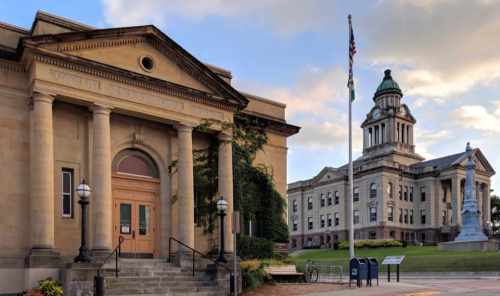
116 262
169 250
221 254
193 261
83 256
397 273
235 256
388 272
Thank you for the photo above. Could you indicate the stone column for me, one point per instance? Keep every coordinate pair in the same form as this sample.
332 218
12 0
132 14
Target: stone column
486 209
42 177
101 182
185 187
226 185
456 201
380 134
366 140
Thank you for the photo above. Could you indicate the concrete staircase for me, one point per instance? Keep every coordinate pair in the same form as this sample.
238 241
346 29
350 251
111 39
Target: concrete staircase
154 277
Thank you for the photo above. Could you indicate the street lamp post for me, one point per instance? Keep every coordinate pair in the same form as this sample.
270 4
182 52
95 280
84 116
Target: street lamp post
221 206
83 191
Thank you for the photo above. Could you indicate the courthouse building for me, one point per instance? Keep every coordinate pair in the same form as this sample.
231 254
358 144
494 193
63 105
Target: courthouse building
113 107
397 195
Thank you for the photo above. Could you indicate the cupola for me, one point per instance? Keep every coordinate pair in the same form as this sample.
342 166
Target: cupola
388 86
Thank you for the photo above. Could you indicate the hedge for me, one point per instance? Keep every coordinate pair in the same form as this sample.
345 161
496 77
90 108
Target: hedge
371 244
251 247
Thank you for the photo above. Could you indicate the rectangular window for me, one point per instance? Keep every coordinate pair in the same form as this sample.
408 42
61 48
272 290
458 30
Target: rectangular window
295 206
422 217
356 235
329 198
406 216
373 235
411 216
310 203
335 238
400 192
294 243
444 218
321 241
310 223
389 189
328 239
390 213
444 194
356 195
322 217
422 193
323 200
295 225
406 193
337 219
373 214
411 194
337 197
356 217
329 218
400 215
67 194
407 236
392 234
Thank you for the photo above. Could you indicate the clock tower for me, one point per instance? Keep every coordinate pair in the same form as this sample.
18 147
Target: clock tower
388 127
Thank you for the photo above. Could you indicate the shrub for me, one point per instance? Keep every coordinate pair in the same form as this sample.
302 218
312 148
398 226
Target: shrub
310 247
250 247
405 243
371 244
47 287
336 245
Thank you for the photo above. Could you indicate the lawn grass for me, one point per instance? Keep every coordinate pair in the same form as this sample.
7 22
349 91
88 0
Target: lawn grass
417 259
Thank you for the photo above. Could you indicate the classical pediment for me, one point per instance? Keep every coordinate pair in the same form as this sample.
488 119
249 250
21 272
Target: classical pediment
327 174
142 53
480 160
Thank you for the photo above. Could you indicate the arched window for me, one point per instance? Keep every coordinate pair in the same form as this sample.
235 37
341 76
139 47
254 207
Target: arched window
389 189
294 206
134 165
373 191
329 198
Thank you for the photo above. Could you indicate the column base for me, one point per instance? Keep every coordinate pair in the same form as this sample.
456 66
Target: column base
222 275
43 258
100 252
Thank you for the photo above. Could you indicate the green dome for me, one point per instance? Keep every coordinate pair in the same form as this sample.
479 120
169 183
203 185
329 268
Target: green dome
388 86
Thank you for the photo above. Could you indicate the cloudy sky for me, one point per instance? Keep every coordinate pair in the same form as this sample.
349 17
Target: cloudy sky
445 55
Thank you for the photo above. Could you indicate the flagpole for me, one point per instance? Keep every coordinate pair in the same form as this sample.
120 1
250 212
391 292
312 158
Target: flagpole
351 218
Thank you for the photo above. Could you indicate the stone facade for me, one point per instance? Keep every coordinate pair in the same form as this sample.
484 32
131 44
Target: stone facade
424 197
79 103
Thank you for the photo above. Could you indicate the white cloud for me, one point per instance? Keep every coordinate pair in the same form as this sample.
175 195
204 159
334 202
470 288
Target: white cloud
444 47
424 139
477 117
287 17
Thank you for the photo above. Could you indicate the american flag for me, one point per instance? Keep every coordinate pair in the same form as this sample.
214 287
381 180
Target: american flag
352 51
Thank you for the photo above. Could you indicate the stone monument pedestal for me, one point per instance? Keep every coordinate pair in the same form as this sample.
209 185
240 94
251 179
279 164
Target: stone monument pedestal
469 246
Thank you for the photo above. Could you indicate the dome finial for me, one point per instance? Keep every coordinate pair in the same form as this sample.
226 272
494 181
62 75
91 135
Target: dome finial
387 74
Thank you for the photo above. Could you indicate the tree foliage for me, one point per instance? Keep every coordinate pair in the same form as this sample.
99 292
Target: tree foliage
495 214
254 194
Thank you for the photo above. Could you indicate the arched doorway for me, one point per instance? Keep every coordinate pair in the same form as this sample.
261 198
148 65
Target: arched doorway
136 192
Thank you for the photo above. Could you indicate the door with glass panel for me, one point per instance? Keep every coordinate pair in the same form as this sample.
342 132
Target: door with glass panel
135 223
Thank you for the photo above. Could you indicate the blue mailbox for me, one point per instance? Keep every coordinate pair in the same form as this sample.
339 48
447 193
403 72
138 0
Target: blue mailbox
372 264
358 270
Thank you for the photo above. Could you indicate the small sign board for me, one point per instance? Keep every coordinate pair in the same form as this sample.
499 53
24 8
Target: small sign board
446 229
393 259
281 248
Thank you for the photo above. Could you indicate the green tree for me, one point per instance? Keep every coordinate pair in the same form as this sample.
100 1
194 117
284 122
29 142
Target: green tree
495 214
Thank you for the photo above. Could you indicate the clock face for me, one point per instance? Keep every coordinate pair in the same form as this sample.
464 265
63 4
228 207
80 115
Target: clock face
402 111
376 114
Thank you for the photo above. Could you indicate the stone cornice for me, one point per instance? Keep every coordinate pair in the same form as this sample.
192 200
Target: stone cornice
274 126
146 83
12 67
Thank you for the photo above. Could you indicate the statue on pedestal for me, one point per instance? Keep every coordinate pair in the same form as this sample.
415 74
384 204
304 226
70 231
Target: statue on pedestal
471 225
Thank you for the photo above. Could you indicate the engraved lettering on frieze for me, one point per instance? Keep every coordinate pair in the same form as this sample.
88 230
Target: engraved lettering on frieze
75 79
146 98
207 113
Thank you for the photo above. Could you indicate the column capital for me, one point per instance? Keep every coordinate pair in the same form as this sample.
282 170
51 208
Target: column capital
42 97
183 127
225 136
101 109
30 102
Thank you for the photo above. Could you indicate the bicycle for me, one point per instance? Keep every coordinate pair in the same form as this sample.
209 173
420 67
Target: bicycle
312 272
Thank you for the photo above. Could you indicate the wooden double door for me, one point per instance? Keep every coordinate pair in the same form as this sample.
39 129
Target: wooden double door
135 216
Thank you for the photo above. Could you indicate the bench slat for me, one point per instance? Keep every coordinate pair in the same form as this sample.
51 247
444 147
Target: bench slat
282 270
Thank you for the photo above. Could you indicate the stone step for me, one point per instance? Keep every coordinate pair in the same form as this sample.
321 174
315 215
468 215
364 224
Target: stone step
212 293
146 264
154 269
188 278
147 273
141 290
157 284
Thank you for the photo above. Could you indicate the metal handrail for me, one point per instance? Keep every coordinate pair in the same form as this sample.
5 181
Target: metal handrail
202 255
118 254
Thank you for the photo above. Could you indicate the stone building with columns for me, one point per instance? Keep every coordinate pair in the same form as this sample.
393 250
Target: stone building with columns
397 195
113 107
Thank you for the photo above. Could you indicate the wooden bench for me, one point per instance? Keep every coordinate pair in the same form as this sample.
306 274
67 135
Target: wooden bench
282 270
